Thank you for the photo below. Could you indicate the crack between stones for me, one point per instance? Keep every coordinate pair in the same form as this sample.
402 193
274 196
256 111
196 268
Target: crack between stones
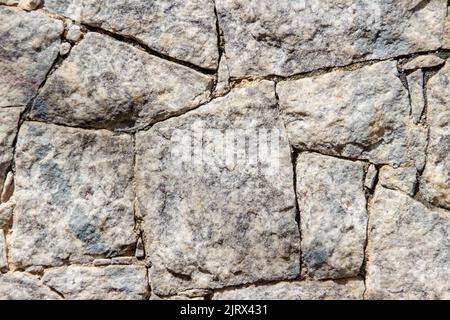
294 156
262 283
139 44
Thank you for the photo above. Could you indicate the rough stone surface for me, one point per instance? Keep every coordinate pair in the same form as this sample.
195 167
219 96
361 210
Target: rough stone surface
20 286
362 114
213 223
428 61
3 258
185 30
223 78
402 179
30 45
435 185
408 249
303 290
6 213
371 177
189 150
8 130
83 208
416 94
90 283
287 37
333 213
105 83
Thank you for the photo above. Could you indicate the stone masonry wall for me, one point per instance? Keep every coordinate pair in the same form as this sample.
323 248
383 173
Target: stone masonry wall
224 149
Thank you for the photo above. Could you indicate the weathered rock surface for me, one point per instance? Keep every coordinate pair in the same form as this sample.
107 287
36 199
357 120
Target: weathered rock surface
30 45
223 78
333 215
303 290
428 61
408 249
20 286
73 210
6 213
105 83
185 30
402 179
435 185
3 258
9 122
219 218
371 177
90 283
287 37
416 94
361 114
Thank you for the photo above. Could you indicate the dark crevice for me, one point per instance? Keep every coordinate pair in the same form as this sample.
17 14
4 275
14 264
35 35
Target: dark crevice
142 46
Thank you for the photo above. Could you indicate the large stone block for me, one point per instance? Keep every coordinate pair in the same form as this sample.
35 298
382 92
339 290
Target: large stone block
74 196
226 215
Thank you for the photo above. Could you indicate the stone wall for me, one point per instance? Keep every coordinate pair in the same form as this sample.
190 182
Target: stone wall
226 149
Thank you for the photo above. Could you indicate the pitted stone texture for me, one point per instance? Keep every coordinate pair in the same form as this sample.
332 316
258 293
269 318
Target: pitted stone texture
21 286
287 37
402 179
408 249
74 195
435 185
30 45
185 30
3 258
303 290
105 83
9 122
91 283
333 215
416 93
446 41
361 114
219 223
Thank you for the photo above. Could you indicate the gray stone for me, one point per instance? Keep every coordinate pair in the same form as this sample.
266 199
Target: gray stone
416 93
287 37
6 213
74 33
8 129
30 45
64 49
185 30
71 211
446 40
21 286
3 258
333 215
139 253
29 5
122 260
220 217
8 188
402 179
428 61
9 2
435 185
90 283
371 177
102 262
223 78
299 290
105 83
408 249
360 114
